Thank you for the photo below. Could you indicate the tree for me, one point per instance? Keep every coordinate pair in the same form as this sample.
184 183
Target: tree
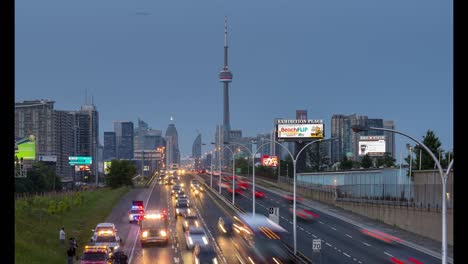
366 162
433 143
287 167
448 157
346 164
242 163
41 178
121 173
317 157
388 160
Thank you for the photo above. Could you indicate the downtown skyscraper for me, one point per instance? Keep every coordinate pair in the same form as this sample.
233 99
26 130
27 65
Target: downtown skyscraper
172 145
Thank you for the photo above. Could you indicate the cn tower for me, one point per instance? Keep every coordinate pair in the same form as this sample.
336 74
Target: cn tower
225 76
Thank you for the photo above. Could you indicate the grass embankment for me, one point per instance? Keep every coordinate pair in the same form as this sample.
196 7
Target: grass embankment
38 221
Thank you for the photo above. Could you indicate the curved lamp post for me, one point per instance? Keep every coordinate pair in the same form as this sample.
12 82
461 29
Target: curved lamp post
294 159
443 178
233 175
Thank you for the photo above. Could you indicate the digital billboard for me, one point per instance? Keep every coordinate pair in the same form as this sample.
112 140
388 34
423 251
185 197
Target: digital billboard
304 130
270 161
26 148
82 168
107 165
372 145
80 160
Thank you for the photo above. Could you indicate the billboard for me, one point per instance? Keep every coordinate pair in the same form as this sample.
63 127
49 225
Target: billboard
372 145
80 160
82 168
304 130
270 161
48 158
107 165
26 148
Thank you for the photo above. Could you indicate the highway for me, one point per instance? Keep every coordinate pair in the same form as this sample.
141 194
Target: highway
342 242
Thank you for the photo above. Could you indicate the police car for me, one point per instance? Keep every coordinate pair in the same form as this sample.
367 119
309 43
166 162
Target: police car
105 234
136 213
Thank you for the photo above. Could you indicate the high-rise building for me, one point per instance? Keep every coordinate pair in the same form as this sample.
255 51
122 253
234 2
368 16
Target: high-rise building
152 139
124 139
197 151
110 146
301 159
36 118
347 142
390 137
172 145
65 142
87 134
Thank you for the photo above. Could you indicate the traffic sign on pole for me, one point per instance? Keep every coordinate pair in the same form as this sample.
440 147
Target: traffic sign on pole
273 214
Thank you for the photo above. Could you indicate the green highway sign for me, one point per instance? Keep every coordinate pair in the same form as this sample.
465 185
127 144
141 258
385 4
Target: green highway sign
79 160
238 170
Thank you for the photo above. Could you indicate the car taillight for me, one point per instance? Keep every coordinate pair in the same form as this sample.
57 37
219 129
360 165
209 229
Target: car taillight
141 212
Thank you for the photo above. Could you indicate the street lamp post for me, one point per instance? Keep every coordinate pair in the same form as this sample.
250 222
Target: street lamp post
233 174
443 178
294 160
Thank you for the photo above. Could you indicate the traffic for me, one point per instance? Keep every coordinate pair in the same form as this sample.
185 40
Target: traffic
181 219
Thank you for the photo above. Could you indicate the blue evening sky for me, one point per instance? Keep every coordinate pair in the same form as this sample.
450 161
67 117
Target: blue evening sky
156 59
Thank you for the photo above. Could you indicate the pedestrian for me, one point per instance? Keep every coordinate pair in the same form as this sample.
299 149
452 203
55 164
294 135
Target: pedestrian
62 236
70 254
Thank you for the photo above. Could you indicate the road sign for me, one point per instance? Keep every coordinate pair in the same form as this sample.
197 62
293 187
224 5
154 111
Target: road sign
238 170
316 245
146 168
273 214
78 160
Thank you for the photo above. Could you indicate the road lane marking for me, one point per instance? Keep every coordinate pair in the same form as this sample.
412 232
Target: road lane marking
328 244
348 236
134 243
366 244
333 228
321 222
388 254
301 228
314 236
346 255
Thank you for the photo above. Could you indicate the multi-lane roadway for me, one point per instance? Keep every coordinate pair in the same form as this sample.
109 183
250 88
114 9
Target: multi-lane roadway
341 242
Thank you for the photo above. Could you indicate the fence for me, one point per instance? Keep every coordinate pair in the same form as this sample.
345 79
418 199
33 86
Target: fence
50 194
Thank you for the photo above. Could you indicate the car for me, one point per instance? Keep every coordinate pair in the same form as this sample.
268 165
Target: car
197 189
204 254
225 225
180 194
181 207
304 213
190 219
195 235
244 185
135 214
96 255
175 189
105 234
153 229
162 214
194 182
238 190
259 194
379 235
290 198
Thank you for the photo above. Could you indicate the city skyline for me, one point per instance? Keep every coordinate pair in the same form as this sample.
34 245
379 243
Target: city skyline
383 60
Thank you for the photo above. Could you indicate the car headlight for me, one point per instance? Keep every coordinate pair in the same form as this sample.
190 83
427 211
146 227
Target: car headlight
177 210
145 234
190 241
116 247
215 261
186 223
163 233
205 241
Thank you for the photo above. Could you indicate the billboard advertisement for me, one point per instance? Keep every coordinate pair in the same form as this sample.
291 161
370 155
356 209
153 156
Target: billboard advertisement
26 148
300 129
48 158
270 161
80 160
372 146
82 168
107 165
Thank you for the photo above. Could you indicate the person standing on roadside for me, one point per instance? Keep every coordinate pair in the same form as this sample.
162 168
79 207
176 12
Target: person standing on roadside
62 236
70 254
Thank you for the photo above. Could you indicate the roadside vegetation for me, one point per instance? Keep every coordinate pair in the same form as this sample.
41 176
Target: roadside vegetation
38 220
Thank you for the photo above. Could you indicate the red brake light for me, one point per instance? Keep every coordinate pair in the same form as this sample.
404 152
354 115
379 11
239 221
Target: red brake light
141 212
